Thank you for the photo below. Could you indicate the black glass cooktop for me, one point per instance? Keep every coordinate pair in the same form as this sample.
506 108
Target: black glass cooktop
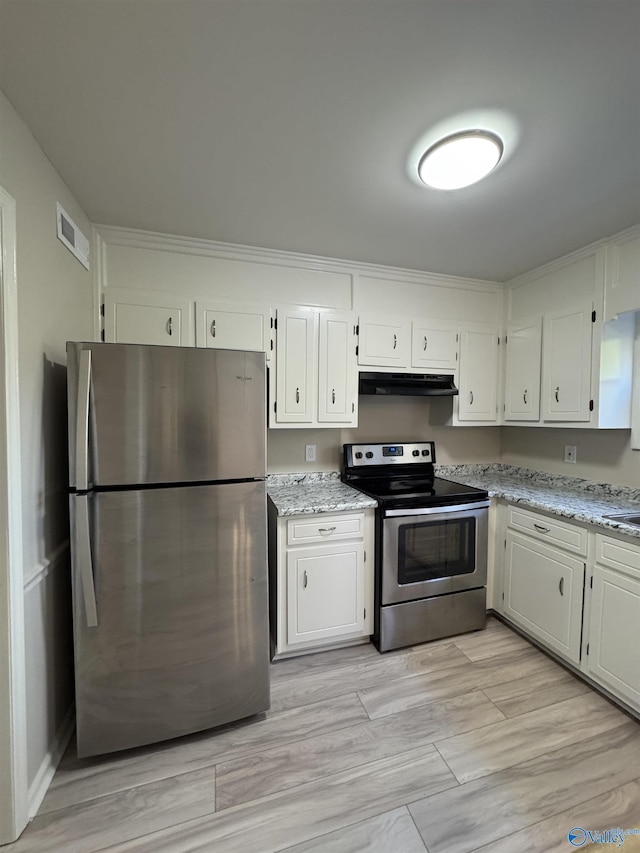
405 491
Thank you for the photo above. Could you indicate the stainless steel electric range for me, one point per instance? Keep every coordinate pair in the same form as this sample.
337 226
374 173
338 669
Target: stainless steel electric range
431 544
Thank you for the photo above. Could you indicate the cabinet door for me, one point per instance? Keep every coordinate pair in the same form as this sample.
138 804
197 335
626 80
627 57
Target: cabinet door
383 341
227 327
543 590
478 398
296 387
567 365
146 317
434 344
337 370
614 632
522 385
325 593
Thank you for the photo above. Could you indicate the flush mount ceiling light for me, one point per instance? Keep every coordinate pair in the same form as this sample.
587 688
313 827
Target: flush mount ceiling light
460 159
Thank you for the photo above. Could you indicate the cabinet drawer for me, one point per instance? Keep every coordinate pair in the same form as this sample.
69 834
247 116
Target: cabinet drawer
550 530
301 531
618 554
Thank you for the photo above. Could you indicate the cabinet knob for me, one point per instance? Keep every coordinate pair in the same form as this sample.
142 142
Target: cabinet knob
170 326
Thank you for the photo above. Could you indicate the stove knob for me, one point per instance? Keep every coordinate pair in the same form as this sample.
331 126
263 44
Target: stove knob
359 455
369 454
416 452
425 452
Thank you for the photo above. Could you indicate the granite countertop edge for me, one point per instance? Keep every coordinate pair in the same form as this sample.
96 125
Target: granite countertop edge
571 498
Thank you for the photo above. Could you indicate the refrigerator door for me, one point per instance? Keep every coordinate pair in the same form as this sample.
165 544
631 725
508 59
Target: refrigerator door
164 414
171 618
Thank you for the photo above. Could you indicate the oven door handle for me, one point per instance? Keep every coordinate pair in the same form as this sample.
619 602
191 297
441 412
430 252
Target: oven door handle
437 510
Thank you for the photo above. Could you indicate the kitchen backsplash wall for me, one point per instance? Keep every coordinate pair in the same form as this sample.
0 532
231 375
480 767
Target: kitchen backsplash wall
381 419
602 455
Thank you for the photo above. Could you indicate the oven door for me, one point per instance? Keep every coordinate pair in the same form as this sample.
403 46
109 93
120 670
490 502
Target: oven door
433 551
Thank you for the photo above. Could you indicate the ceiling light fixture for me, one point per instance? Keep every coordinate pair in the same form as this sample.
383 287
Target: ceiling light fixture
460 159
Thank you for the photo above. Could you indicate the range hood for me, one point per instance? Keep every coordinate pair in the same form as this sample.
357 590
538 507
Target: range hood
408 384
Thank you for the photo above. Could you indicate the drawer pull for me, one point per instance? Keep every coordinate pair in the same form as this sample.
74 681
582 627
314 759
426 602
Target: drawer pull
425 344
557 394
170 326
395 341
561 586
326 529
305 579
541 528
297 395
524 397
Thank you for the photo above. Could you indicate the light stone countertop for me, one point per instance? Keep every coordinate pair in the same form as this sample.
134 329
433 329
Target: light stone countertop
302 494
569 497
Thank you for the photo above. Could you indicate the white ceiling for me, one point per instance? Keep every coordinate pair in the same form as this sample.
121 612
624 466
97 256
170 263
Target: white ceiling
289 123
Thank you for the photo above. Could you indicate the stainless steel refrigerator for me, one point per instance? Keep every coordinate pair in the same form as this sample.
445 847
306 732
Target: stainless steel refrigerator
168 528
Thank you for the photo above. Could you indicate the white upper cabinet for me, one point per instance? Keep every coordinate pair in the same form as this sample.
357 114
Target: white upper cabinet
622 290
296 343
384 341
231 326
567 364
434 345
315 369
337 369
147 317
478 386
587 364
522 381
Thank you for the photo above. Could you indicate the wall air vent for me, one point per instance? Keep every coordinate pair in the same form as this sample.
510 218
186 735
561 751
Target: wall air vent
72 236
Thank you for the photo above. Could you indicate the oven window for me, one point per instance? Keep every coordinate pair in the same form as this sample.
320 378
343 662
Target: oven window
431 550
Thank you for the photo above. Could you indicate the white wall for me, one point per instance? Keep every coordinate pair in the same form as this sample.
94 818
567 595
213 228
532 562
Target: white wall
54 304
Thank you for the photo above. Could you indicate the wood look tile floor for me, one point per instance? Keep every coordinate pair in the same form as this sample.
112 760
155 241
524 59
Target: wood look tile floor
474 743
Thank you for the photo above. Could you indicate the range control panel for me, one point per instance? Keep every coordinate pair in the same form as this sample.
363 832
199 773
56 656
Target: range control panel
417 452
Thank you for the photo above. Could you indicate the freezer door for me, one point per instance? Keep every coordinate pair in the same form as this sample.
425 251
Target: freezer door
178 639
164 414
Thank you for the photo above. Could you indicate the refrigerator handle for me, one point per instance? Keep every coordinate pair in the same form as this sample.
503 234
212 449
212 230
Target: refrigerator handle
84 561
82 421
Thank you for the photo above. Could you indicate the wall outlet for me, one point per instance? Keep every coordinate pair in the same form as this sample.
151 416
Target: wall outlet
309 453
570 453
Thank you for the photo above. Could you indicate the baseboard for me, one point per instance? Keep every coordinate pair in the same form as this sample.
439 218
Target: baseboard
47 769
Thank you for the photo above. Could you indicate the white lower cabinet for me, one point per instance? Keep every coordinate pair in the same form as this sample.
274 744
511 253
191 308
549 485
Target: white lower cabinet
321 571
544 579
325 592
543 593
613 649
